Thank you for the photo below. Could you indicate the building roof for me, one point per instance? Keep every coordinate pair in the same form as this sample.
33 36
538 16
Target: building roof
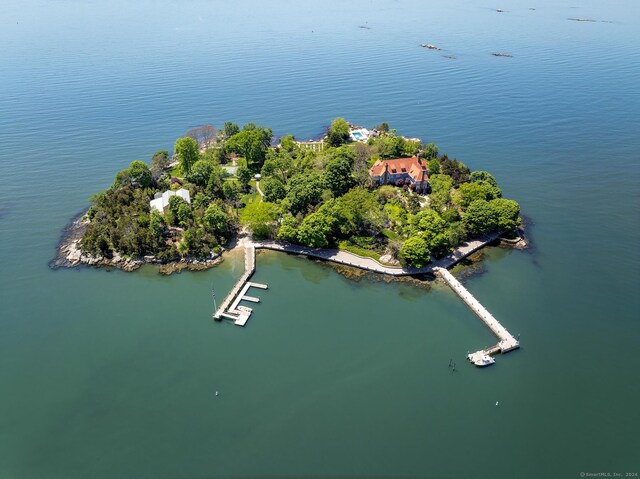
412 166
162 201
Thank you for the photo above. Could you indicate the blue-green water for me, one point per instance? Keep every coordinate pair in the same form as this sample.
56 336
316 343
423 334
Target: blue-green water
107 374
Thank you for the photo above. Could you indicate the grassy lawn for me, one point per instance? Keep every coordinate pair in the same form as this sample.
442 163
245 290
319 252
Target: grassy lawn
175 171
250 198
392 235
355 249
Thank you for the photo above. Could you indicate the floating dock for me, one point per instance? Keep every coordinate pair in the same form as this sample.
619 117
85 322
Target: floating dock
506 341
230 308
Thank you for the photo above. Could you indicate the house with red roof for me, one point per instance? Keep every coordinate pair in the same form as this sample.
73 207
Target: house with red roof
401 171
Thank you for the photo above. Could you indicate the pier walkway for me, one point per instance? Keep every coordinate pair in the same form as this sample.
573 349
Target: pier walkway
506 341
369 264
230 307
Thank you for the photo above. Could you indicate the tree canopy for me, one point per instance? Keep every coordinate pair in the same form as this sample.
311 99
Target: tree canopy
313 197
338 132
187 151
415 252
252 143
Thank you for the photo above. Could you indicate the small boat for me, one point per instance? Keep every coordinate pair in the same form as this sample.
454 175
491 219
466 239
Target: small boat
481 359
429 46
502 55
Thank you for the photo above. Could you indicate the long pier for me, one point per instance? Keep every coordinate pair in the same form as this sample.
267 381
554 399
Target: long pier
230 307
506 341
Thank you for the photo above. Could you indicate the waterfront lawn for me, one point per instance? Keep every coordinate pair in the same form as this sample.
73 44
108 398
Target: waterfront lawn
346 245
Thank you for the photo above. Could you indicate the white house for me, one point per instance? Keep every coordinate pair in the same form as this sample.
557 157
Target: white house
161 200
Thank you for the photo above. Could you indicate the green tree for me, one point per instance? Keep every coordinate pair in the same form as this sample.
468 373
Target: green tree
288 143
273 189
358 212
214 155
244 176
434 166
252 143
304 190
337 177
414 252
277 164
483 176
338 132
187 151
231 191
430 151
261 218
200 201
157 228
122 178
138 174
507 213
457 170
480 190
440 195
427 222
410 147
214 185
470 192
159 162
288 229
383 127
432 228
315 230
180 211
441 183
456 232
230 129
200 173
216 221
480 218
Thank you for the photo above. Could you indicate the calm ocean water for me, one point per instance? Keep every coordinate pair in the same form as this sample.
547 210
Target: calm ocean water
107 374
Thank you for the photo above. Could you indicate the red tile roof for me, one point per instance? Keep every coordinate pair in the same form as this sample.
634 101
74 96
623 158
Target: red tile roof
414 166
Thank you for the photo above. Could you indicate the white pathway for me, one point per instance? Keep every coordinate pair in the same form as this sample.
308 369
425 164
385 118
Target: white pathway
369 264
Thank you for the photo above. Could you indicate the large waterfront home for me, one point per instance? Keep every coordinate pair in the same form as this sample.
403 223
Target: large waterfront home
401 171
161 200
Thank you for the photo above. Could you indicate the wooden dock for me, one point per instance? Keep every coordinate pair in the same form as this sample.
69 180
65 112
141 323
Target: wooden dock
506 341
230 307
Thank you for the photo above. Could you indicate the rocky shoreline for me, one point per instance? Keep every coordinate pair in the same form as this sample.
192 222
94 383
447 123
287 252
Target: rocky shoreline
69 255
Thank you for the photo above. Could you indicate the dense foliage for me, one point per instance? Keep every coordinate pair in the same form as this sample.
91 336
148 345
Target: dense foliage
313 197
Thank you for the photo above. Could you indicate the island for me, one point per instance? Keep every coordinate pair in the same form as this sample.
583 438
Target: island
371 193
